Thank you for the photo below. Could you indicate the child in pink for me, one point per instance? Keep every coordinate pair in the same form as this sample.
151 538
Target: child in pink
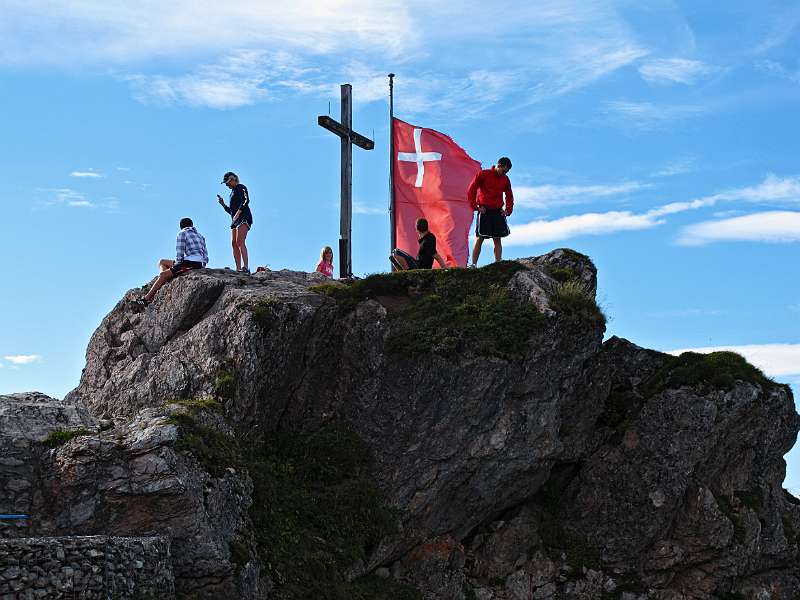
325 265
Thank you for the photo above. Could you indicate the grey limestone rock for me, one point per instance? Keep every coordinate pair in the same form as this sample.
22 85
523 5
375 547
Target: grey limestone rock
571 469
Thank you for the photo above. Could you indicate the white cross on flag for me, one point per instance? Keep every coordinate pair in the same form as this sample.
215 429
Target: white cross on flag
431 177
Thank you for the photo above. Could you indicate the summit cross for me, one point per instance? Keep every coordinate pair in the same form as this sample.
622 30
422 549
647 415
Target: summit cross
349 137
419 157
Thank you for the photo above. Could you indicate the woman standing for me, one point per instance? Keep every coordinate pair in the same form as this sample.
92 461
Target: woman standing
241 219
325 265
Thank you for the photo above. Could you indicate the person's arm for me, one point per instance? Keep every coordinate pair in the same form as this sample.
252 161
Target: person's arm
223 205
180 247
438 258
472 191
509 199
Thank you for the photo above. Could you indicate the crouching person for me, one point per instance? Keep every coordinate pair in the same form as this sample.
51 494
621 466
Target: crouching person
403 261
190 253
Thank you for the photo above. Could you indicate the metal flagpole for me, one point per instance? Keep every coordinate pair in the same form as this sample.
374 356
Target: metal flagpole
392 232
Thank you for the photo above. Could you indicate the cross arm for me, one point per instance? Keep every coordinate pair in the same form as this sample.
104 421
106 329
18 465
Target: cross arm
343 132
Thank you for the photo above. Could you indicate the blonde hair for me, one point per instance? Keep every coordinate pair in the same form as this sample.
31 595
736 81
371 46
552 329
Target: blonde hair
323 251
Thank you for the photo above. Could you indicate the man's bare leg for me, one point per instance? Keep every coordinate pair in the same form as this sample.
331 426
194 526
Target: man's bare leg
401 262
163 278
476 250
498 249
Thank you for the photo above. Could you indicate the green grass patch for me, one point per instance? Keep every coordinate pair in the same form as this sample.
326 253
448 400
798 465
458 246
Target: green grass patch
62 436
447 311
718 369
573 299
264 313
316 510
576 256
562 274
225 385
215 450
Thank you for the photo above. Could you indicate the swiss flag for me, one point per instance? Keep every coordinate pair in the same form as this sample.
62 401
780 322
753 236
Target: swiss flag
431 177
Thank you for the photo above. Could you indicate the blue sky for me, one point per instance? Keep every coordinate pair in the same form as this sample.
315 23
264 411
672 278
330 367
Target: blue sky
659 137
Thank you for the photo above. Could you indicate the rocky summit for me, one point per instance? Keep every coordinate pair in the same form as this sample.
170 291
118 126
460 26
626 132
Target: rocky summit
462 434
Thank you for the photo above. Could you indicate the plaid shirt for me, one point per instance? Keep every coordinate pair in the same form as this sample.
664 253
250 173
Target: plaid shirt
190 243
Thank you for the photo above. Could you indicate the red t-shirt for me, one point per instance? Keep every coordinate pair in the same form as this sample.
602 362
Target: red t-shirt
325 268
487 190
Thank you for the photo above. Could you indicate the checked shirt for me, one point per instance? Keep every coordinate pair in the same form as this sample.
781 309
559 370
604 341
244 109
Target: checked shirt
190 245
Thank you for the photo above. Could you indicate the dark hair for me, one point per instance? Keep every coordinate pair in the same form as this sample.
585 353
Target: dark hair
422 225
504 161
186 222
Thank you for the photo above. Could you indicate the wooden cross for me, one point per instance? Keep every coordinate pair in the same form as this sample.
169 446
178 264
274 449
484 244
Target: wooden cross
349 137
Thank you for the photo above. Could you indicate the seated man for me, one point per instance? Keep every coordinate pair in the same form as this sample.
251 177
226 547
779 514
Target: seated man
403 261
191 253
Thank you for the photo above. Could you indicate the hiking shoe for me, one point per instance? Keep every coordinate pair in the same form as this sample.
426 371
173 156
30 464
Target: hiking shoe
142 302
472 266
244 270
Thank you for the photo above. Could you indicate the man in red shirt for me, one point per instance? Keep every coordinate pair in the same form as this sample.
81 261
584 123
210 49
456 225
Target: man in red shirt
485 194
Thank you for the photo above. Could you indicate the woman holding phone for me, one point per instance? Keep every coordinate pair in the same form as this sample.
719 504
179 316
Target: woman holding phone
241 219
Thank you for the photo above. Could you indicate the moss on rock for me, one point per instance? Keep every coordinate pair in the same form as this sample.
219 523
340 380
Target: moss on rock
447 311
316 510
62 436
573 299
225 385
718 369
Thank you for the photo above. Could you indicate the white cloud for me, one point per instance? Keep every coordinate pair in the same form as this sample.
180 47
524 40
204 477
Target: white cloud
770 226
544 196
676 167
646 115
67 197
222 56
724 214
70 198
772 189
84 174
776 360
775 226
544 231
22 359
361 208
776 68
87 32
125 169
674 70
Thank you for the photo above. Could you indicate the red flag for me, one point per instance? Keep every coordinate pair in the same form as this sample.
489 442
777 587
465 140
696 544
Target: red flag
431 177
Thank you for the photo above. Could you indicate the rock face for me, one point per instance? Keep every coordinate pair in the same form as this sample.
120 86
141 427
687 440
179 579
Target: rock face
525 458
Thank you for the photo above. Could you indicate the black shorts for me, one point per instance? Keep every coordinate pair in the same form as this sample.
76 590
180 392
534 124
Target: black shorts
185 265
245 217
491 224
412 262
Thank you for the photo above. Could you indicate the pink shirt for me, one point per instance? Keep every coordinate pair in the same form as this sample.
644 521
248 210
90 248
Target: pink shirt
325 268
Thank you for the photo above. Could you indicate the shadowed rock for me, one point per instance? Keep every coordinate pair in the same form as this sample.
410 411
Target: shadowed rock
525 458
